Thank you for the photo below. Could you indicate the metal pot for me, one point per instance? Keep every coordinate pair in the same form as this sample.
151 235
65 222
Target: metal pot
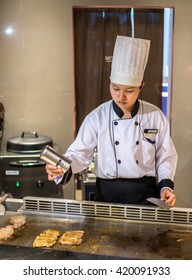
28 143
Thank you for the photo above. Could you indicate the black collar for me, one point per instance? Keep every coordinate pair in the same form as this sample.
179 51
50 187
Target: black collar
120 113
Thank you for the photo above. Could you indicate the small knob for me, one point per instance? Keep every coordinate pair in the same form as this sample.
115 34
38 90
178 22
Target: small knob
40 184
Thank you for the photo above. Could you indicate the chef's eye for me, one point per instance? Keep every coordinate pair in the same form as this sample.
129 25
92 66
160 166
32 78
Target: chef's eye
116 89
130 90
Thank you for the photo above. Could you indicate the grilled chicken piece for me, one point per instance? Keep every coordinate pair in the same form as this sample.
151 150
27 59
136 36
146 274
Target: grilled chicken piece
17 221
47 238
53 232
6 232
73 237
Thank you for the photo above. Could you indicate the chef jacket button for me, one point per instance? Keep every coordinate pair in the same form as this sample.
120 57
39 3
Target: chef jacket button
119 161
137 161
116 142
137 143
115 123
136 123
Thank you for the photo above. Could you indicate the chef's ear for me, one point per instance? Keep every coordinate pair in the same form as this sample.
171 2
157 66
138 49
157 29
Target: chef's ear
141 86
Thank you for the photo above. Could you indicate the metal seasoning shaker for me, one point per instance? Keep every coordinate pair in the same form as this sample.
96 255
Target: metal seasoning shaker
50 156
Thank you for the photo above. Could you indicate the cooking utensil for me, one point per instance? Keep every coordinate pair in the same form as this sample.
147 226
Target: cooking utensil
159 202
50 156
28 142
2 207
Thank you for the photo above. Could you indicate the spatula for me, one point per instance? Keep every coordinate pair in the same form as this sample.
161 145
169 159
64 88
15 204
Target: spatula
159 202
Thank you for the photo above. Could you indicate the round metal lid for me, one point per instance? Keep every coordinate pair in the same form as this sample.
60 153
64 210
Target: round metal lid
28 142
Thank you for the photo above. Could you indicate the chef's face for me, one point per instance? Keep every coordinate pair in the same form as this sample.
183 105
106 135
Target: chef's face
124 96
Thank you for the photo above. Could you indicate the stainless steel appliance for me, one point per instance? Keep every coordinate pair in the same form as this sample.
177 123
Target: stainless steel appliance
111 231
88 181
21 170
24 174
88 184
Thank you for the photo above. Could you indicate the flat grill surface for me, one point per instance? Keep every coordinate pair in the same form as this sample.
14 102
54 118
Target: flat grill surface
106 237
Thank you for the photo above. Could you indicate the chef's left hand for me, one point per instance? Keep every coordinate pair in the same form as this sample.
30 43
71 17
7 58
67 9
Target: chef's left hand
168 196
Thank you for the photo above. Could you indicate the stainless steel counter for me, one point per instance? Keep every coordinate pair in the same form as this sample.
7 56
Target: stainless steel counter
104 238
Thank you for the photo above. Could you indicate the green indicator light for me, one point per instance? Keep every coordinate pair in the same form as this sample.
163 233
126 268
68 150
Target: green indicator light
17 184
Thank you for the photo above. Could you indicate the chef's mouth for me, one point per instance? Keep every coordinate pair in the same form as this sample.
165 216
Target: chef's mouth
121 103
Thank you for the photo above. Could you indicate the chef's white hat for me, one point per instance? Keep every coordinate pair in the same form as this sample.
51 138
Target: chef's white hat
129 60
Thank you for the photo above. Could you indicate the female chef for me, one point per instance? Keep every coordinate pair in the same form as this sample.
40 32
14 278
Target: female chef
136 157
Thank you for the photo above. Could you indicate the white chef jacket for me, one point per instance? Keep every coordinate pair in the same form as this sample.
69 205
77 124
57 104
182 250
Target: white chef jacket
127 148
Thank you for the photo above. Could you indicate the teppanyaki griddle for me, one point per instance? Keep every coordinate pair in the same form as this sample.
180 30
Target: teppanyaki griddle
104 236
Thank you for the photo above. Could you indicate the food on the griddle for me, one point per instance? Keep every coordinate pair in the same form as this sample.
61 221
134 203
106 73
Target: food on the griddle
6 232
44 241
17 221
54 232
74 237
47 238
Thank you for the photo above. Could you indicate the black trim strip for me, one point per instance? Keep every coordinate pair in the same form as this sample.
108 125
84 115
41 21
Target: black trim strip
120 113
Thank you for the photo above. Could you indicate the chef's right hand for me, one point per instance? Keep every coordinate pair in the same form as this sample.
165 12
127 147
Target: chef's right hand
168 196
53 171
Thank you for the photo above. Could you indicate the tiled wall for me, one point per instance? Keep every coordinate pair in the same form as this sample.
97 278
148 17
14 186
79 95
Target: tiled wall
36 74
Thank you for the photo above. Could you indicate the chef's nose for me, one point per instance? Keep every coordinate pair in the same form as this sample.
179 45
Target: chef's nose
122 94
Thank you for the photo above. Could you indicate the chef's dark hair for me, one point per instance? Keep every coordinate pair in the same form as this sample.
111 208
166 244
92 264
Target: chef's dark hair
141 85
